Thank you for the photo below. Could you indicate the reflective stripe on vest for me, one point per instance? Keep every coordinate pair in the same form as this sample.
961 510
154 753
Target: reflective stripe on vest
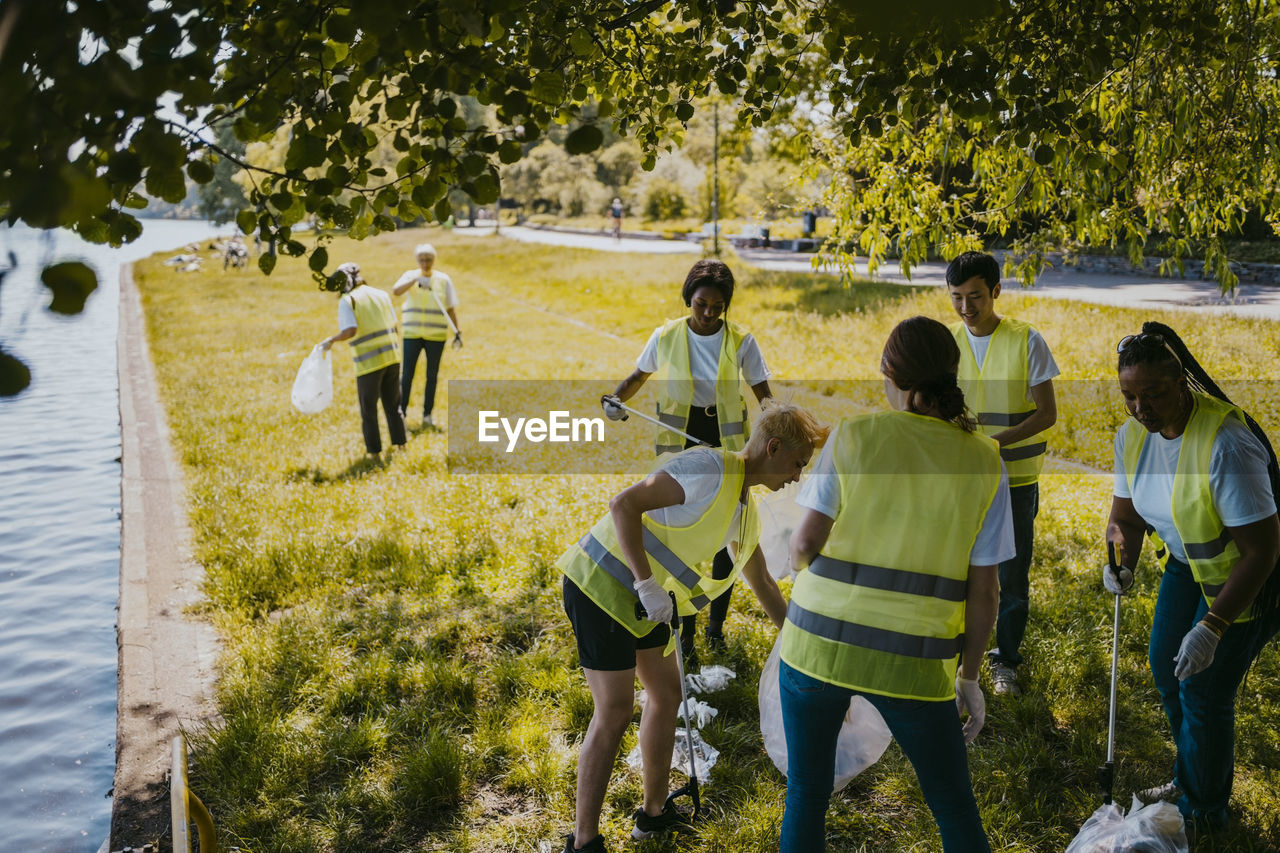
999 394
598 567
1211 553
375 345
881 608
675 387
422 316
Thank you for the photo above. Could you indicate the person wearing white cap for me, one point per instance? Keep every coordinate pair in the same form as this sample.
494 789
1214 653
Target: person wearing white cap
367 318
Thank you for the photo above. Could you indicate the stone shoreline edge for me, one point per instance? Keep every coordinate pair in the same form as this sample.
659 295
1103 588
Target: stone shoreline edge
166 655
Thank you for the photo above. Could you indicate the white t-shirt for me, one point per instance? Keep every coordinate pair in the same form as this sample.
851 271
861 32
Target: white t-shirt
1040 364
1238 480
821 493
699 471
415 274
704 362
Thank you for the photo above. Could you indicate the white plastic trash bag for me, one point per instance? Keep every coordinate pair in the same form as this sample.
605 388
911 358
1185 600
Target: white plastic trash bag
779 516
863 738
705 755
313 386
1157 828
710 679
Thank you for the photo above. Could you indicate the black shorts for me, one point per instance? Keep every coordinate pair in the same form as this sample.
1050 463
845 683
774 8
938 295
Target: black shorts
603 643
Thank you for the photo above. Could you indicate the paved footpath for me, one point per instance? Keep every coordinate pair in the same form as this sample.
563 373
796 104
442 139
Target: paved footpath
1130 291
167 655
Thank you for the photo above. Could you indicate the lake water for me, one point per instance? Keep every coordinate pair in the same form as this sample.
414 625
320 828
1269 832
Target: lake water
60 535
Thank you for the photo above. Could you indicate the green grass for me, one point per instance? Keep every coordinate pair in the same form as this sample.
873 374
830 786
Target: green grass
398 673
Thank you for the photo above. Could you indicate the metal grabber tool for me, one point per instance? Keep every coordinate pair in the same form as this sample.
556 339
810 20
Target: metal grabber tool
1107 772
690 788
614 401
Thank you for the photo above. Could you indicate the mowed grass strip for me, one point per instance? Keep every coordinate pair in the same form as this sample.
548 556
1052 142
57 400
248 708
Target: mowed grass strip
399 674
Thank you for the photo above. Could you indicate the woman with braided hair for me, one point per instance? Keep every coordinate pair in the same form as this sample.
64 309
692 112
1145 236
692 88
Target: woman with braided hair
908 519
1199 475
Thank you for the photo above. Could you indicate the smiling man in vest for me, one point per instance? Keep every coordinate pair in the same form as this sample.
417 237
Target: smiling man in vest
1006 373
429 315
367 318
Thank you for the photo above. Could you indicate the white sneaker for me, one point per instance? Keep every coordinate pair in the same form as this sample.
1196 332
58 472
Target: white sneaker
1168 793
427 423
1004 679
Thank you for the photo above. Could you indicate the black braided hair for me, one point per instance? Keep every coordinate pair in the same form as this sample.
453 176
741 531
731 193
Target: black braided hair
1267 602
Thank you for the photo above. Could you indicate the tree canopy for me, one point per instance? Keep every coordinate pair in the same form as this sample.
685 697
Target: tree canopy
1058 123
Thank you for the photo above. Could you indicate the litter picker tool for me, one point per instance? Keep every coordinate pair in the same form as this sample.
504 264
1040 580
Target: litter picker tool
440 305
1107 772
690 788
612 400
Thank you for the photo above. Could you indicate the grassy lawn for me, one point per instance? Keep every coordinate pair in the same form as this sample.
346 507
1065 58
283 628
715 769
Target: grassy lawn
399 674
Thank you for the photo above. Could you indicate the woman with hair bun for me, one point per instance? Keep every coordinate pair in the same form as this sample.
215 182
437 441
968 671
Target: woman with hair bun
908 518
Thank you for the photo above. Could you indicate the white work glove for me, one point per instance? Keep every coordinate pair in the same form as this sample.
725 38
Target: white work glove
612 409
1116 583
654 599
969 698
1196 652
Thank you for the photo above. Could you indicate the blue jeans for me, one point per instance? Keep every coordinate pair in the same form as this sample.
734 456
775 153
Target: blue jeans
1202 709
928 733
1015 583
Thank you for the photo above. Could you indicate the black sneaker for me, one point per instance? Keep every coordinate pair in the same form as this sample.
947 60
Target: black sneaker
670 820
715 639
596 846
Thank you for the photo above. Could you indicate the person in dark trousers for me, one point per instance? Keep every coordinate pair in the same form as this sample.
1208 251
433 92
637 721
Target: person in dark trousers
1006 373
1198 476
367 319
896 591
699 360
429 314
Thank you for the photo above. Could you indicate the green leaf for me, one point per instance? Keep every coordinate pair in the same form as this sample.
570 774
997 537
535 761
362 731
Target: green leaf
584 140
246 220
341 27
71 283
14 375
200 171
267 262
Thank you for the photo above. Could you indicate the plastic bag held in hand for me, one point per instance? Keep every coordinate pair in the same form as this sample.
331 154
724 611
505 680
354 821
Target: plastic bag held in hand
969 697
862 740
1196 652
313 386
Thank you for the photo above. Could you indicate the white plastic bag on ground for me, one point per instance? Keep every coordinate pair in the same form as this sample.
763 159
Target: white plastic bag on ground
779 516
863 738
313 386
1157 828
710 679
705 755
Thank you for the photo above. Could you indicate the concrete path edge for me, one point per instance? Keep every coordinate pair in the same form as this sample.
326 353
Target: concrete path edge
166 654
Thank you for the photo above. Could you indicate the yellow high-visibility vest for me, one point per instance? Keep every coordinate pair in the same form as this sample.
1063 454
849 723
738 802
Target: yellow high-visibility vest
1211 552
999 394
675 388
881 608
376 343
676 554
422 315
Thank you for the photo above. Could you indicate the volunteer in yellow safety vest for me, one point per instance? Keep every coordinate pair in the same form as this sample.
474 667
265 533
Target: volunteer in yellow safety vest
698 360
1006 373
908 517
429 315
1191 470
367 318
651 542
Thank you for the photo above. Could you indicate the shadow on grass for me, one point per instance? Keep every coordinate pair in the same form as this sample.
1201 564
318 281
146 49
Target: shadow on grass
358 469
828 295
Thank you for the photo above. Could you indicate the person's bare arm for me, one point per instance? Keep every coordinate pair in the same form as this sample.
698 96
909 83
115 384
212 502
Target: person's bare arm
761 390
1125 530
1045 416
399 288
808 538
1259 544
628 387
655 491
765 587
982 603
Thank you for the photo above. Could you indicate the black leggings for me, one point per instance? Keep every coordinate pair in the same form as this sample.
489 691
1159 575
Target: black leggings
706 426
380 385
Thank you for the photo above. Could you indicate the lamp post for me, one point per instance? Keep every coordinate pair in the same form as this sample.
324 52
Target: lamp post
715 179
